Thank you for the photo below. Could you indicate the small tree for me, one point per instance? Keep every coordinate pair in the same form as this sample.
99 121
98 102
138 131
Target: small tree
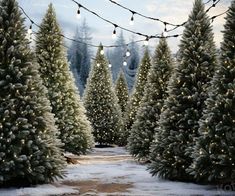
178 123
75 129
143 129
29 148
214 154
121 91
101 103
137 95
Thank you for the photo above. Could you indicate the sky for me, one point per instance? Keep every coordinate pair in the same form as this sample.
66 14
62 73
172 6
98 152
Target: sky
174 11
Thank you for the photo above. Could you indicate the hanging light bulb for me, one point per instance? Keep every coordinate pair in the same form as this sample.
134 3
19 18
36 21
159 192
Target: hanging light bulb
132 19
110 65
114 35
128 53
79 12
146 41
30 31
98 64
102 50
165 34
125 63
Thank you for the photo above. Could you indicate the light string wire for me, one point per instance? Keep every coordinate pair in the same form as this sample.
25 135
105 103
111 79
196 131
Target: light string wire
121 45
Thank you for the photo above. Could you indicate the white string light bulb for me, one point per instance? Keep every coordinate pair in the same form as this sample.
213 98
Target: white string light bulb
128 53
78 13
132 20
146 41
114 35
125 63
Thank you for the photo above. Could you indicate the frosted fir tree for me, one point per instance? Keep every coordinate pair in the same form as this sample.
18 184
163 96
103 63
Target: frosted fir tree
214 154
137 95
132 64
121 91
178 123
143 129
74 127
101 103
29 148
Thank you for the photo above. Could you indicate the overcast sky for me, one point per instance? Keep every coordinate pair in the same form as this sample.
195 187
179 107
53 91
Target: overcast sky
174 11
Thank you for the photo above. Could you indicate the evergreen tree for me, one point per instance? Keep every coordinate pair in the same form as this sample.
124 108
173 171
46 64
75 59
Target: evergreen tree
214 154
101 103
79 55
137 95
75 129
143 129
29 148
121 91
132 64
117 56
178 123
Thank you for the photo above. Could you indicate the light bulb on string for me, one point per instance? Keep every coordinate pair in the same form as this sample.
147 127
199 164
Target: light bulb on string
102 50
165 34
146 41
98 64
125 63
110 65
30 31
114 35
132 19
128 53
78 12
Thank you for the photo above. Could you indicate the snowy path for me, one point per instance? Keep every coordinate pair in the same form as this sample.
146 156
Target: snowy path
111 171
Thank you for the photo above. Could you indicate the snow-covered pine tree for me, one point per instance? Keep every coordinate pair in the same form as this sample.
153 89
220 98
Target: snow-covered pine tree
79 55
74 127
143 130
178 123
136 96
29 148
101 103
117 56
132 64
121 91
214 154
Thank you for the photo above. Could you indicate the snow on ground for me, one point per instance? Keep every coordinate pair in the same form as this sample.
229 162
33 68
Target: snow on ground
111 171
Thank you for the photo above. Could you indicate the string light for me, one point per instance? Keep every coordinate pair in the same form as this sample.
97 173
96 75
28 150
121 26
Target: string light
110 65
98 64
125 63
146 41
30 31
158 19
79 12
114 35
101 50
128 53
115 25
132 19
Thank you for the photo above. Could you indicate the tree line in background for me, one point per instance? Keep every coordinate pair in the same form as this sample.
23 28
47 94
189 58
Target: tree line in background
179 117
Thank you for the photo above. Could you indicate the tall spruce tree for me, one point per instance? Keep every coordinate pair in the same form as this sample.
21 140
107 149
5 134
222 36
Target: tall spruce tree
74 128
137 95
143 129
178 124
29 148
101 103
121 91
214 154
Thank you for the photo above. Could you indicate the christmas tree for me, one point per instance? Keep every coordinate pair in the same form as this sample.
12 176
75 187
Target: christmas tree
29 148
214 153
137 95
178 123
121 91
143 129
101 103
74 128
